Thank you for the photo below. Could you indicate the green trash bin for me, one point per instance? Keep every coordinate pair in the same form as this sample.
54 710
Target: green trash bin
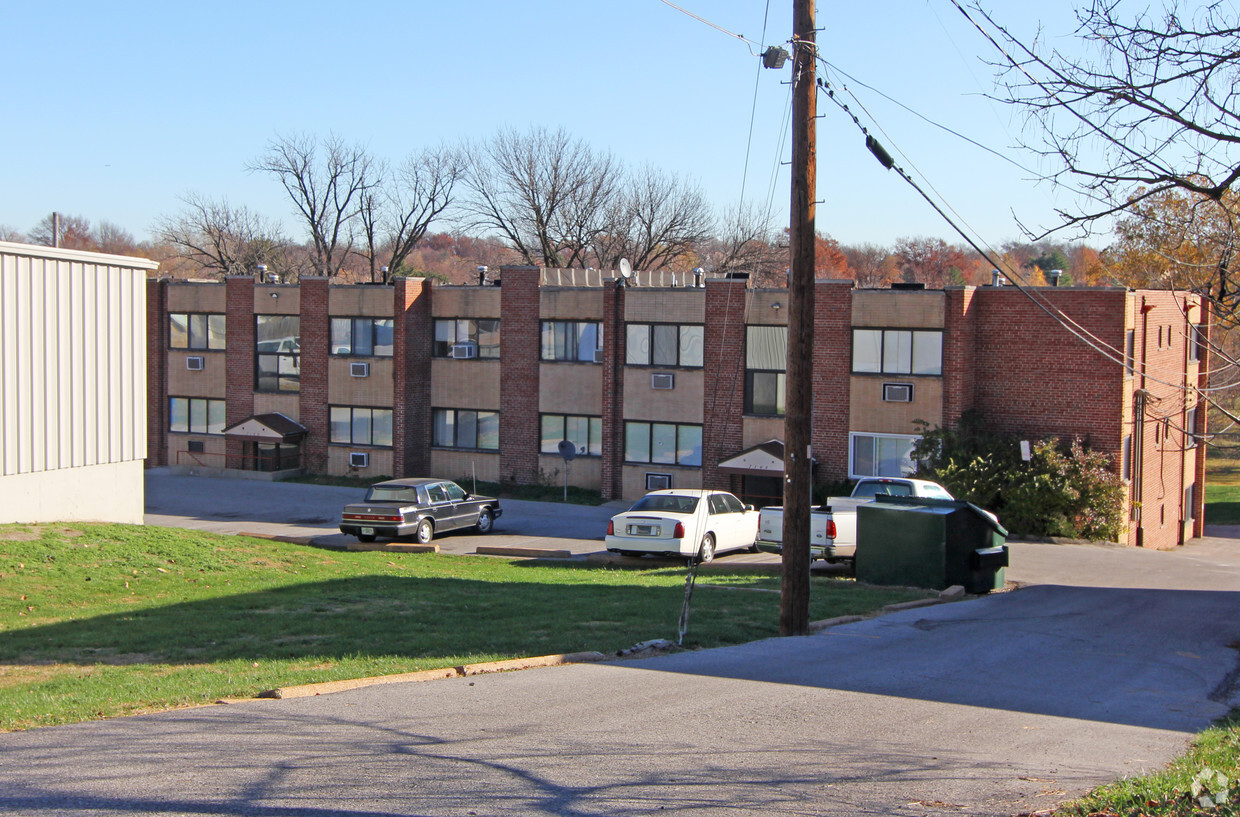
932 543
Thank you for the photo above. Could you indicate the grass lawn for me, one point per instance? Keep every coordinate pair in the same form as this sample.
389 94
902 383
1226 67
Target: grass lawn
1222 492
105 620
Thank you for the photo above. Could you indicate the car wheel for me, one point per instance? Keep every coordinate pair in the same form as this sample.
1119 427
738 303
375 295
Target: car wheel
706 551
424 532
485 521
365 537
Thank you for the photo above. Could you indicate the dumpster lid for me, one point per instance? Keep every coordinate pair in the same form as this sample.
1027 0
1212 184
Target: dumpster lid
930 505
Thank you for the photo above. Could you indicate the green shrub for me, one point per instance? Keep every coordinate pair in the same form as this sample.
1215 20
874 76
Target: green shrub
1064 489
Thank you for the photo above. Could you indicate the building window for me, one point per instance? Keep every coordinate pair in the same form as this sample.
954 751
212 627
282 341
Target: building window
897 351
198 415
586 433
471 338
663 344
1196 340
1126 458
1130 350
881 455
362 337
198 331
663 443
354 425
1190 428
462 428
766 359
278 362
580 341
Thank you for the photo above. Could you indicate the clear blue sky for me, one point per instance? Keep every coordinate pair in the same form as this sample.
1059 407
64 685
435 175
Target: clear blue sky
115 111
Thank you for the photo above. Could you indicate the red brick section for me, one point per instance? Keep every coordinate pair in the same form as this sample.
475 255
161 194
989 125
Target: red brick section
239 340
1205 319
613 392
724 373
520 341
411 389
314 327
157 372
959 343
832 378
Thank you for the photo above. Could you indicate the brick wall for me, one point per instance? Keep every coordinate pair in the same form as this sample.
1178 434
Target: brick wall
724 371
239 340
832 378
157 372
614 355
959 343
411 366
520 342
315 329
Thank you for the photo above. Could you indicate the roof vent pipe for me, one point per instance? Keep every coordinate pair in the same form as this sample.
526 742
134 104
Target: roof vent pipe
996 280
698 275
1053 275
482 275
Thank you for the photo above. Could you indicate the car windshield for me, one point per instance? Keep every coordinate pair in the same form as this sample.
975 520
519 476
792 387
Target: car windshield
393 493
667 503
883 489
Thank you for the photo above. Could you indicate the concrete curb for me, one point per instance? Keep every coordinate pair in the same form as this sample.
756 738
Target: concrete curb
953 593
529 553
391 547
328 687
272 537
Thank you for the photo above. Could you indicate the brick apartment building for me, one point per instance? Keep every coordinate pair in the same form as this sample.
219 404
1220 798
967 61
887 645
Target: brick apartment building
663 383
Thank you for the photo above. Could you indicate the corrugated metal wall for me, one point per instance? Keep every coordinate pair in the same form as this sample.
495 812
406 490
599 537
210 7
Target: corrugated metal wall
72 359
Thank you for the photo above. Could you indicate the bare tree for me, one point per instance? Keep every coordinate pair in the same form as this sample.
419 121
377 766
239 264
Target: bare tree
8 233
221 239
399 208
326 183
872 265
544 192
75 233
657 220
1149 111
748 243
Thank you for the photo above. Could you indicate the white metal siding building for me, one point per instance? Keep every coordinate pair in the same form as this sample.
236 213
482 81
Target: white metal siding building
72 385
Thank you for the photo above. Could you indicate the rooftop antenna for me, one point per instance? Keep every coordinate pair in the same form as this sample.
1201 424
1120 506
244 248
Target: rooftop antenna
626 271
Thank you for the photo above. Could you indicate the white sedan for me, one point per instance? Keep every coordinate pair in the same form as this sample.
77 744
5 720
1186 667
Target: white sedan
694 523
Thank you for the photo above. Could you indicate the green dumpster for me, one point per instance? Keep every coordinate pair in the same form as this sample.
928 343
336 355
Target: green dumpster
932 543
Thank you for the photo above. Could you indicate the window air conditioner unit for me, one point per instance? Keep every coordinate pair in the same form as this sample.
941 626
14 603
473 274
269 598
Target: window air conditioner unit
595 356
359 370
662 381
359 459
898 392
464 351
194 364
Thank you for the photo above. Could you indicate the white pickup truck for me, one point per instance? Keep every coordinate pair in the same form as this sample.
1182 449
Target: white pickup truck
833 527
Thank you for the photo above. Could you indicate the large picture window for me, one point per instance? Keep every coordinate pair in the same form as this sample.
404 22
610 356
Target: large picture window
897 351
766 359
197 331
586 433
355 425
465 428
580 341
362 337
663 443
881 455
278 343
198 415
662 344
472 338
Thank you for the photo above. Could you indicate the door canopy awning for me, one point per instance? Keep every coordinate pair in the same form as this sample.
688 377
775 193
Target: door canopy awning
269 428
763 460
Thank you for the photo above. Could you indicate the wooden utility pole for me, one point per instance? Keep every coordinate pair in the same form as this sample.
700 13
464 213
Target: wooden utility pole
799 396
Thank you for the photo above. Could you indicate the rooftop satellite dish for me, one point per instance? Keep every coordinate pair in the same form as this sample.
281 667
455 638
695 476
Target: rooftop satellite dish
626 269
567 450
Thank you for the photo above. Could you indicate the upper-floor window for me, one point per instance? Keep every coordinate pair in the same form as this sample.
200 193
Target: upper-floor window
766 359
585 433
663 443
199 415
466 338
366 337
1196 340
195 330
355 425
465 428
278 360
662 344
897 351
572 340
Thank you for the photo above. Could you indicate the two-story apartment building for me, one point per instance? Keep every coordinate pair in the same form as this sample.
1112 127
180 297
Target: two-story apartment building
660 383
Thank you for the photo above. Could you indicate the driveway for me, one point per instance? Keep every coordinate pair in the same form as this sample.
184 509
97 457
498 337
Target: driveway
1103 664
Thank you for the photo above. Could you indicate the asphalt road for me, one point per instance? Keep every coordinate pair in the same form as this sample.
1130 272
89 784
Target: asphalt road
1104 663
